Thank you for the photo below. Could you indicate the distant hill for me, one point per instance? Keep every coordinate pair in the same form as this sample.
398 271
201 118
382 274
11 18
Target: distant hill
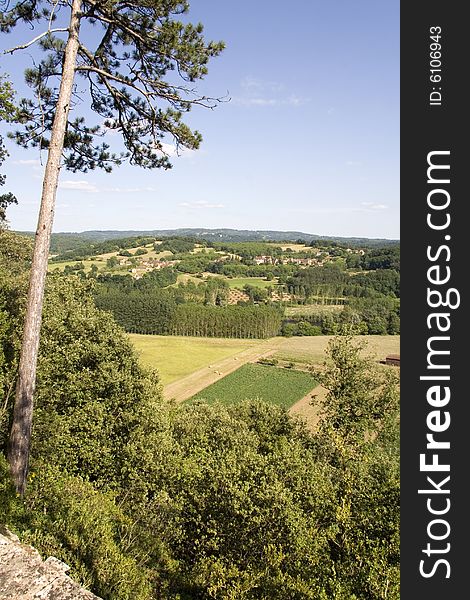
66 240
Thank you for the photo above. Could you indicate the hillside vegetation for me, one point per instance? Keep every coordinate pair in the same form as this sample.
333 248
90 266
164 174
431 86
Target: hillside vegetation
146 500
188 286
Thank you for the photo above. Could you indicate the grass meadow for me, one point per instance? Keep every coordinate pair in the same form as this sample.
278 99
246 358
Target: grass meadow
240 282
311 349
175 357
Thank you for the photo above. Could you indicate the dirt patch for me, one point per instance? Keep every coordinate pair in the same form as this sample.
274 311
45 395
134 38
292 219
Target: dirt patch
309 407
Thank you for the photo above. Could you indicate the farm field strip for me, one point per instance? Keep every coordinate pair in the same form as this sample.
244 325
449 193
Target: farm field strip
308 407
279 386
311 349
312 309
199 380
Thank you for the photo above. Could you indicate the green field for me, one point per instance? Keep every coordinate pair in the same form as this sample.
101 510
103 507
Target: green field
186 278
87 264
279 386
240 282
175 357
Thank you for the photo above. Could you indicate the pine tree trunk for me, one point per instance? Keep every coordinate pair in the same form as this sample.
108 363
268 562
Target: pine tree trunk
20 438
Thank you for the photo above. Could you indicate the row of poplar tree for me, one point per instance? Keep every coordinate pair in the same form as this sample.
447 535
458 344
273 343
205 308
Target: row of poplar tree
158 313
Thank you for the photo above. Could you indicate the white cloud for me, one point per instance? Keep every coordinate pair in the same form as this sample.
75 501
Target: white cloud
373 206
258 92
253 84
119 190
91 188
269 101
28 163
172 151
256 101
200 204
80 186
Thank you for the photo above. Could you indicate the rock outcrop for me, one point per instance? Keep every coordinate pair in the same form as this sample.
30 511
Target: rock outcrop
24 575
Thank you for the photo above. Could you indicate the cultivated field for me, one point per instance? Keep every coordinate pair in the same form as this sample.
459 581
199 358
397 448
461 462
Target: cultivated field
87 264
294 247
185 278
188 365
279 386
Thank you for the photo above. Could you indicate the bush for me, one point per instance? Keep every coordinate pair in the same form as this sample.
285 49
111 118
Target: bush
268 361
67 517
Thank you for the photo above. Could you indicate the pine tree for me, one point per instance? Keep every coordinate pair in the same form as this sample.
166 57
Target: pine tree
130 76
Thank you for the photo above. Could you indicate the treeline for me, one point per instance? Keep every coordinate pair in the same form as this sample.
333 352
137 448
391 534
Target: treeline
367 316
248 249
175 245
376 258
87 249
152 280
332 281
160 314
235 268
229 321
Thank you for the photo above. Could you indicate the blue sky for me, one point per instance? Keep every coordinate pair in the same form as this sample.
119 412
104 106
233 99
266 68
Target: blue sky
309 140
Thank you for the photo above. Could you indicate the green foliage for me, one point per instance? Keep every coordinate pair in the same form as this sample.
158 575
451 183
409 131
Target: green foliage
226 321
113 261
69 247
67 517
235 268
7 113
255 293
359 392
266 382
269 360
90 389
248 250
234 492
359 438
175 246
186 310
382 258
301 327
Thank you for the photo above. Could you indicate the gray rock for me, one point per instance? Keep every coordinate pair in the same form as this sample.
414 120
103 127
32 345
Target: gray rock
24 575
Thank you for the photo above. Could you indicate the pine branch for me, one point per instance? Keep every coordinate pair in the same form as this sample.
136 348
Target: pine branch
36 39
